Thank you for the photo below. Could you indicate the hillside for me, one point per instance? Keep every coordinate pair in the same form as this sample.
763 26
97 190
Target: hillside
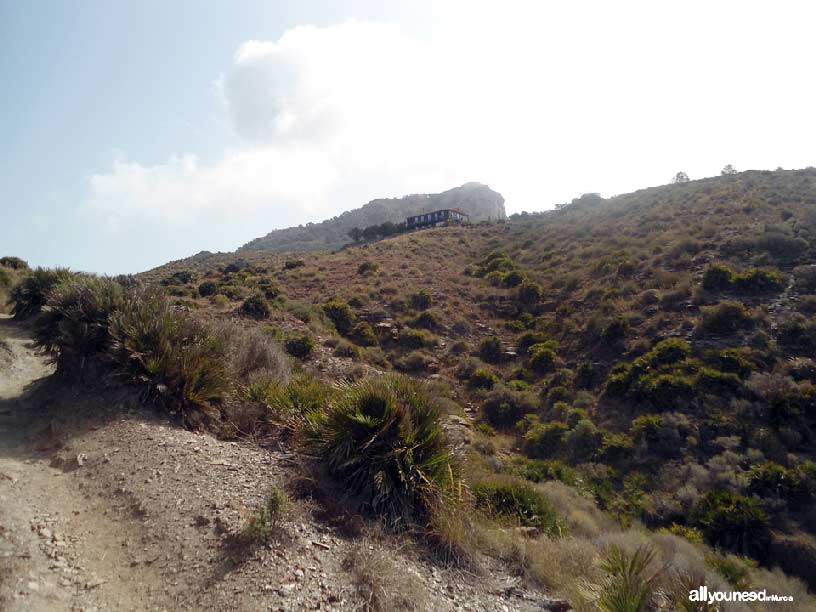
478 200
633 374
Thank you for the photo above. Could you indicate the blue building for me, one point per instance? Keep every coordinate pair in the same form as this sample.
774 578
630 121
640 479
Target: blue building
436 218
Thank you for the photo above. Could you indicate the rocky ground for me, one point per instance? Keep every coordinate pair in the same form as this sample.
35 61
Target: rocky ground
105 505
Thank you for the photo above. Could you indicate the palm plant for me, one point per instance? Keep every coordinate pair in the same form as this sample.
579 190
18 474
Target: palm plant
382 438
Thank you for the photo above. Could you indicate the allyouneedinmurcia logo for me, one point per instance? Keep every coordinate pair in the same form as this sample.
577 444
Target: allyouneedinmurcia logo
703 594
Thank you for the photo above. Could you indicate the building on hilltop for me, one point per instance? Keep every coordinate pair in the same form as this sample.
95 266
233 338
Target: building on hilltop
436 218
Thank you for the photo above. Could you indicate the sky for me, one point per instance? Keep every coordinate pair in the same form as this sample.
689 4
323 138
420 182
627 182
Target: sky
133 133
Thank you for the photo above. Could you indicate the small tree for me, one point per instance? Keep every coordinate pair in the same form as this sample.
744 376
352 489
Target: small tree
356 234
729 169
680 177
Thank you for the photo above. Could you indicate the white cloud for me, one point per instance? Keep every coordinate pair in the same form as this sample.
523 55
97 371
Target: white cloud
540 100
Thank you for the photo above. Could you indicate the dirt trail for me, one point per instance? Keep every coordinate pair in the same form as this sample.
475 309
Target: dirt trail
57 549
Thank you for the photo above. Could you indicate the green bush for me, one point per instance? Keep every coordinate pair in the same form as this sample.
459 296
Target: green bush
300 346
757 281
482 378
427 320
292 404
773 480
15 263
512 279
615 331
367 268
31 293
668 351
733 522
503 406
797 335
263 523
182 360
383 440
583 440
340 314
490 349
530 293
182 277
727 317
207 288
718 277
541 358
629 584
421 300
519 501
363 334
545 440
256 306
73 325
528 339
416 339
730 360
291 264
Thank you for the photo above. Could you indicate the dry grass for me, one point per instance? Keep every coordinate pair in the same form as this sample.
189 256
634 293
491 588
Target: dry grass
381 585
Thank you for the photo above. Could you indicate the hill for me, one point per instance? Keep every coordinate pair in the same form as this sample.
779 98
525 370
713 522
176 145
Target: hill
481 202
634 372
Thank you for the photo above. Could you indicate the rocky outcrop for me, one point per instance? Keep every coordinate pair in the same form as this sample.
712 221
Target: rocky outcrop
476 199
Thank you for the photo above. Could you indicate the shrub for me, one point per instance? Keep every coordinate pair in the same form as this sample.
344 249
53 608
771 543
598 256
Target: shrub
733 522
415 361
300 346
730 360
416 338
519 501
383 440
718 277
503 406
726 317
541 358
256 306
182 361
15 263
490 349
291 264
291 405
545 440
31 293
182 277
340 314
669 351
421 300
797 335
482 378
805 278
363 334
207 288
512 279
615 331
628 585
583 441
236 266
426 320
528 339
755 281
264 522
367 268
73 324
530 293
773 480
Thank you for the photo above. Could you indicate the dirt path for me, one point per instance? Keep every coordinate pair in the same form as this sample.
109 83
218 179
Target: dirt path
58 551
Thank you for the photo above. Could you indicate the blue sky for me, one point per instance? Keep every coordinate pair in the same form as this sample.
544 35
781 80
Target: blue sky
132 133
